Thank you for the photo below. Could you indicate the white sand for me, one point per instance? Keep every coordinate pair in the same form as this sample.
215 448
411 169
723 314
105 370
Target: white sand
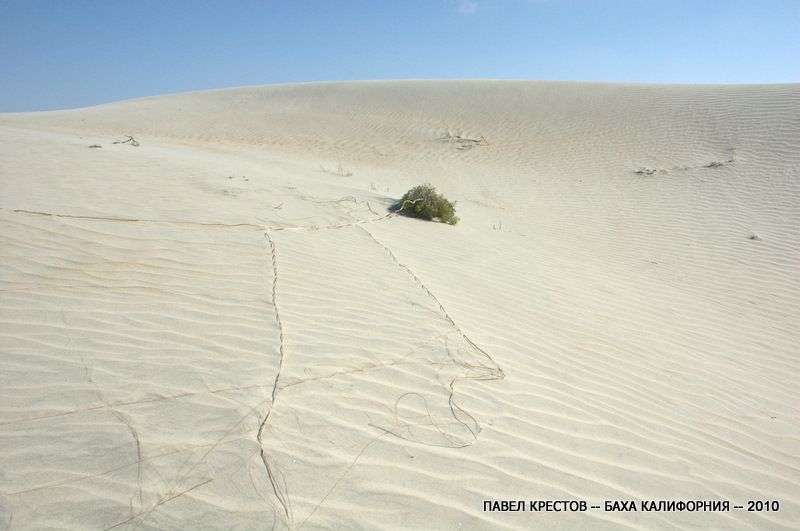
219 328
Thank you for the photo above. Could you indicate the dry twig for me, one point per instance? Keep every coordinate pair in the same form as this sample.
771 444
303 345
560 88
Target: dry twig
129 140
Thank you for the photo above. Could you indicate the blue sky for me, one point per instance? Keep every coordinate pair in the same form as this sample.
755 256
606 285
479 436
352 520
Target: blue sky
72 53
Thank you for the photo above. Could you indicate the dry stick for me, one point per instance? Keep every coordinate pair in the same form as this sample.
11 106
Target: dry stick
130 140
464 143
403 206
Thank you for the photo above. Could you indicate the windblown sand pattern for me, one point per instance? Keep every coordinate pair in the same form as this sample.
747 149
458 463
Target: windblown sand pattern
225 327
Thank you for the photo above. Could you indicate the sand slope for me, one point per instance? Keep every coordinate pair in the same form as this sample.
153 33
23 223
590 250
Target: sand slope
222 327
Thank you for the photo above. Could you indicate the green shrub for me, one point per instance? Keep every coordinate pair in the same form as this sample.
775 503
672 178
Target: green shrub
423 202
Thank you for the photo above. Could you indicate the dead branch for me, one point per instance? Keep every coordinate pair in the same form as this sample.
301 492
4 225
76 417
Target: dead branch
129 140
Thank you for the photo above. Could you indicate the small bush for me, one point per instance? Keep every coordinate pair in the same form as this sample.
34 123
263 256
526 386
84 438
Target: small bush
423 202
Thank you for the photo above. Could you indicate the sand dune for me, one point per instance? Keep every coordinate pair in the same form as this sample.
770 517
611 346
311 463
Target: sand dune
224 326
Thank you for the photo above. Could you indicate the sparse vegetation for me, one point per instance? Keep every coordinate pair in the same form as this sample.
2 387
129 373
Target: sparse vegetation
718 164
463 143
645 171
341 170
425 203
129 140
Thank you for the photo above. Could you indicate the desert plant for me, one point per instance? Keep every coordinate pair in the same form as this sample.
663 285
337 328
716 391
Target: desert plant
425 203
